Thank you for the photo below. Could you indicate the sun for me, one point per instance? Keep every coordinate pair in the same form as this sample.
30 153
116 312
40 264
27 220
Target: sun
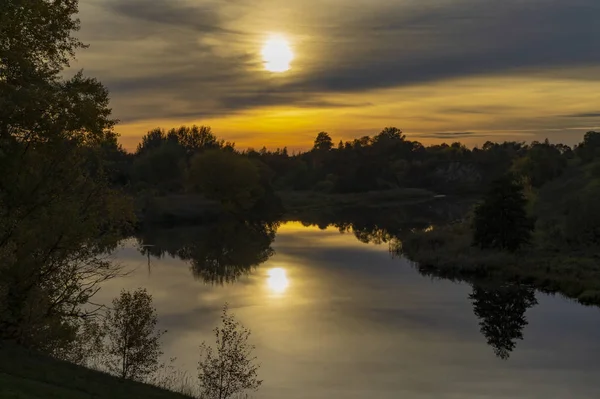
277 54
278 281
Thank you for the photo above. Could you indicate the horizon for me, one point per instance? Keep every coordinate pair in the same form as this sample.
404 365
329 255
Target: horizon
292 150
275 73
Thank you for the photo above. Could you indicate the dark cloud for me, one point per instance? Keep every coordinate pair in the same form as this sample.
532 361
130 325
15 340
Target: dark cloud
584 115
202 17
206 66
464 38
483 110
453 135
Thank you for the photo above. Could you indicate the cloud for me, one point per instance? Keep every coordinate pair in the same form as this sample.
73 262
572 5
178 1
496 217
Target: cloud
453 135
201 17
584 115
200 58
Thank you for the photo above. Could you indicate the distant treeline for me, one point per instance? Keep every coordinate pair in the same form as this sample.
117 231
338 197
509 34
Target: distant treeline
163 162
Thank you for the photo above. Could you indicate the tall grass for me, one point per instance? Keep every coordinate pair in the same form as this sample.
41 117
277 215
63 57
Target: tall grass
447 252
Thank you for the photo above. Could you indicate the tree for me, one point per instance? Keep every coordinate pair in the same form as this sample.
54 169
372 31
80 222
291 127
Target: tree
543 162
196 139
389 136
151 141
227 177
231 368
58 214
133 342
161 168
590 148
501 313
323 142
501 220
582 222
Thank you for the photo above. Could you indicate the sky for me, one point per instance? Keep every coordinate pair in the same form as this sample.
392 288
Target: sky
440 70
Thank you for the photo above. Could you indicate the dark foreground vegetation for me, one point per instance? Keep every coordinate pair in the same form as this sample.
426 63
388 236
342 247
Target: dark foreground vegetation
26 374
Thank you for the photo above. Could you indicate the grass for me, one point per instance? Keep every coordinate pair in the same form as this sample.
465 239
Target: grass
447 252
27 375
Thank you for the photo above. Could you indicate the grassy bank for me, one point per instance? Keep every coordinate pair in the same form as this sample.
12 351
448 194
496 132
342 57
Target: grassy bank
26 375
447 252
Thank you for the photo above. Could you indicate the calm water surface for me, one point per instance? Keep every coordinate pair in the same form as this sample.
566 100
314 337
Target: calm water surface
333 317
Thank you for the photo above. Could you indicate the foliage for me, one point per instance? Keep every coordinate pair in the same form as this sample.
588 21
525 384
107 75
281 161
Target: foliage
58 213
229 369
227 177
582 225
589 150
161 168
501 220
542 163
133 342
192 139
323 142
86 348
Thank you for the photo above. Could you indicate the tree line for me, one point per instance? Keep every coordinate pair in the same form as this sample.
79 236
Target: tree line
172 161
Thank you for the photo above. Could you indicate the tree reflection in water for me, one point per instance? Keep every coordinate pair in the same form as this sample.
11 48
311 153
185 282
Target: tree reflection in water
223 252
219 253
500 307
501 312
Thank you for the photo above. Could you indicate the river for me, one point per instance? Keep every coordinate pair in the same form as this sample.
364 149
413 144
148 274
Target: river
334 317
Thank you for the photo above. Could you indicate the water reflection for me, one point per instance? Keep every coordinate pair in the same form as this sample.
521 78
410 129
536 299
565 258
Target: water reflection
500 307
277 281
225 251
219 253
501 312
355 323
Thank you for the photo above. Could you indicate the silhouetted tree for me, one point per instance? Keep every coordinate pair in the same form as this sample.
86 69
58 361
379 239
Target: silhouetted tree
501 313
323 142
58 213
228 177
590 148
151 141
161 168
501 220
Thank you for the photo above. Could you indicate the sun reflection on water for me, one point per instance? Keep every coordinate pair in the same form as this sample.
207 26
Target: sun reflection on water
277 281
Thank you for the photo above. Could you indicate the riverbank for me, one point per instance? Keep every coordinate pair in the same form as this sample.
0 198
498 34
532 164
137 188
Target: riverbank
447 252
27 375
182 209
